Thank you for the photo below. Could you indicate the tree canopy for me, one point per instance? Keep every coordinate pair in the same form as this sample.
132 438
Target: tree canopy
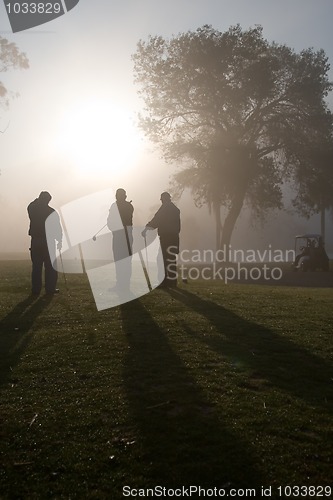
236 112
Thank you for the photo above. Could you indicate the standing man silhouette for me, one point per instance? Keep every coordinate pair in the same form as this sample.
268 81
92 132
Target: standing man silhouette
167 222
42 250
120 222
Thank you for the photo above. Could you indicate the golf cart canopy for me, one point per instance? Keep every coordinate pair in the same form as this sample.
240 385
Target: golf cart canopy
309 236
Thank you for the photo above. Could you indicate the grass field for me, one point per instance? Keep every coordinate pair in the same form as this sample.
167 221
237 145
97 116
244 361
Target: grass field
214 385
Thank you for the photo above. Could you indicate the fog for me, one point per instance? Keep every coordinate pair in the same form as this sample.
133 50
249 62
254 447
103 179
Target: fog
144 184
86 55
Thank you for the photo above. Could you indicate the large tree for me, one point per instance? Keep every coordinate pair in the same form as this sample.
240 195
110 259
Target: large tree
234 111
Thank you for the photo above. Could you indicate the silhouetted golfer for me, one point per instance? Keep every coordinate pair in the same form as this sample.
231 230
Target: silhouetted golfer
120 222
167 222
42 248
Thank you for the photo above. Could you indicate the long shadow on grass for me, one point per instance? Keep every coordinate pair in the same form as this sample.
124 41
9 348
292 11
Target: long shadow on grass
16 332
265 355
181 438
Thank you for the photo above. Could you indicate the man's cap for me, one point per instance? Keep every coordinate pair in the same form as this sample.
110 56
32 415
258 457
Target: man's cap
165 196
120 193
45 196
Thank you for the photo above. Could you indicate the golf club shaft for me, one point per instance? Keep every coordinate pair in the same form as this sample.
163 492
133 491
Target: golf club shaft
63 271
99 230
146 254
145 272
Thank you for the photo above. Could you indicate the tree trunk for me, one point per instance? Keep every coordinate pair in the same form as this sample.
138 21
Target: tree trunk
322 223
230 221
242 165
218 224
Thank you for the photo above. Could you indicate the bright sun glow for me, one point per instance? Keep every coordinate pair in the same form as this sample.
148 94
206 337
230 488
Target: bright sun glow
99 136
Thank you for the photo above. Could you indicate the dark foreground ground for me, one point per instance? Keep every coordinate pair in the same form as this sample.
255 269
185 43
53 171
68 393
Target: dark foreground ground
208 385
273 274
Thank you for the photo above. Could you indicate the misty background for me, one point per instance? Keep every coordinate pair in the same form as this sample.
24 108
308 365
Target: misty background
87 54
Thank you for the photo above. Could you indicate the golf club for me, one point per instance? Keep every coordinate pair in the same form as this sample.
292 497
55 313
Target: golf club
141 260
145 272
146 254
63 272
94 237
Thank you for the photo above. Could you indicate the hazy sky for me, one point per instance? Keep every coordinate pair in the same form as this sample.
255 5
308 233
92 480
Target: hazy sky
80 82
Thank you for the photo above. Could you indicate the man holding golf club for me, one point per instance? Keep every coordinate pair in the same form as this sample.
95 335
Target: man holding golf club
120 222
42 248
167 222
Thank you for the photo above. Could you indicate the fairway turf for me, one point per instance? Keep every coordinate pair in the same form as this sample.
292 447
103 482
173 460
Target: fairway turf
214 385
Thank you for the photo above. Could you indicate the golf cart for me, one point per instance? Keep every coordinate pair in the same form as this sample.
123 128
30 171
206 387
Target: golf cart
310 253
